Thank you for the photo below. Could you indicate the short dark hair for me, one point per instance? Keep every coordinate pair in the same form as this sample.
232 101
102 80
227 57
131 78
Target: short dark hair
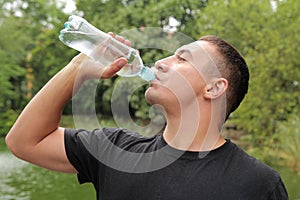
233 67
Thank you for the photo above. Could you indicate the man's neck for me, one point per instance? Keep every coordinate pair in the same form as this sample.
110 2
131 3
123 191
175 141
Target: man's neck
193 133
193 142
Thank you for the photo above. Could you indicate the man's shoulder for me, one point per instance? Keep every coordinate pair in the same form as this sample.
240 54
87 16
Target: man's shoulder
121 137
248 168
110 133
250 175
252 164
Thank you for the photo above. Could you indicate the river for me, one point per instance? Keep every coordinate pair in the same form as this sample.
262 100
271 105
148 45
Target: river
22 181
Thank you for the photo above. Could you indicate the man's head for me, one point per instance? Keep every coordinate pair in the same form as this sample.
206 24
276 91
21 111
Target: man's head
233 68
205 70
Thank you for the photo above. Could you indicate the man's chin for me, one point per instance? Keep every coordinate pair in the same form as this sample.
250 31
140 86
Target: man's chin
149 97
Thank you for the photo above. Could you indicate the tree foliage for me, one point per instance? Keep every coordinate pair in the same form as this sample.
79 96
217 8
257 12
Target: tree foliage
21 24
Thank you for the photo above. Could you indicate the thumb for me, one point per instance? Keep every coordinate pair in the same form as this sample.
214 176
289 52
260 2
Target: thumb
116 66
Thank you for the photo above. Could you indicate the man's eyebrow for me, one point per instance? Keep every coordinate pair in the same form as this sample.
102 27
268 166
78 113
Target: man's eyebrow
182 50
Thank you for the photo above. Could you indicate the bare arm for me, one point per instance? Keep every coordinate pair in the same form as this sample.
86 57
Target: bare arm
36 136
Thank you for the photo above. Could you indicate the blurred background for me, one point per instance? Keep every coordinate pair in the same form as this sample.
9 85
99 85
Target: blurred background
267 33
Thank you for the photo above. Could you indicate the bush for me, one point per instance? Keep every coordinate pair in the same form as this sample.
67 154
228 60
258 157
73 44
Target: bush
289 142
7 119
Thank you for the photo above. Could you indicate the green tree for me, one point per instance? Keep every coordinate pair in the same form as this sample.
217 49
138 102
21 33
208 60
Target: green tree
11 71
21 23
12 61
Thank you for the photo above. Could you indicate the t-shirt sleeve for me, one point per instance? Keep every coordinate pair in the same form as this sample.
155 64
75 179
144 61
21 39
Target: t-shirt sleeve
279 192
93 152
80 157
90 151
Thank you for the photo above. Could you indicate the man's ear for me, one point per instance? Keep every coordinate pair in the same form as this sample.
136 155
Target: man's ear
215 88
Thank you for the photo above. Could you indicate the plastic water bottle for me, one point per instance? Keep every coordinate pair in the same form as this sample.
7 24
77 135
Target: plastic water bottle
101 47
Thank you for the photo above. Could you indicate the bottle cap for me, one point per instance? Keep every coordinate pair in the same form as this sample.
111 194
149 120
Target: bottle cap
147 74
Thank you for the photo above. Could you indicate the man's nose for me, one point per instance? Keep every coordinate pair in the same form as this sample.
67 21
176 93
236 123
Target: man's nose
162 65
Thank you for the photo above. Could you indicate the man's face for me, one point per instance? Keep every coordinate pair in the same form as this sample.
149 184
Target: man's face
181 78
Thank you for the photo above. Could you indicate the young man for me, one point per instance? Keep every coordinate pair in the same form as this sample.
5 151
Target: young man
197 88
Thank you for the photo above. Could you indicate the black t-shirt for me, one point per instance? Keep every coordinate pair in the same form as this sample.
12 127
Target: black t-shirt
125 165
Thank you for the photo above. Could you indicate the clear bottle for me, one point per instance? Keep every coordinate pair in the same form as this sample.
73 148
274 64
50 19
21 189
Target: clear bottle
101 47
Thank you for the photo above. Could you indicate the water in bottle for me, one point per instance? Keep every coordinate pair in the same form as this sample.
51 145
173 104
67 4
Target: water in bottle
101 47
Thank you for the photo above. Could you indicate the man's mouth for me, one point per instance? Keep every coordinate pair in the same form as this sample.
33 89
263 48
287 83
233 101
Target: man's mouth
153 82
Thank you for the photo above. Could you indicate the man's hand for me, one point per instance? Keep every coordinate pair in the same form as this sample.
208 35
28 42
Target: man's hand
90 69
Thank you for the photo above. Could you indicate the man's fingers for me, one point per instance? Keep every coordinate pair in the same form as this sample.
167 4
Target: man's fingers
116 66
111 34
127 42
120 38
